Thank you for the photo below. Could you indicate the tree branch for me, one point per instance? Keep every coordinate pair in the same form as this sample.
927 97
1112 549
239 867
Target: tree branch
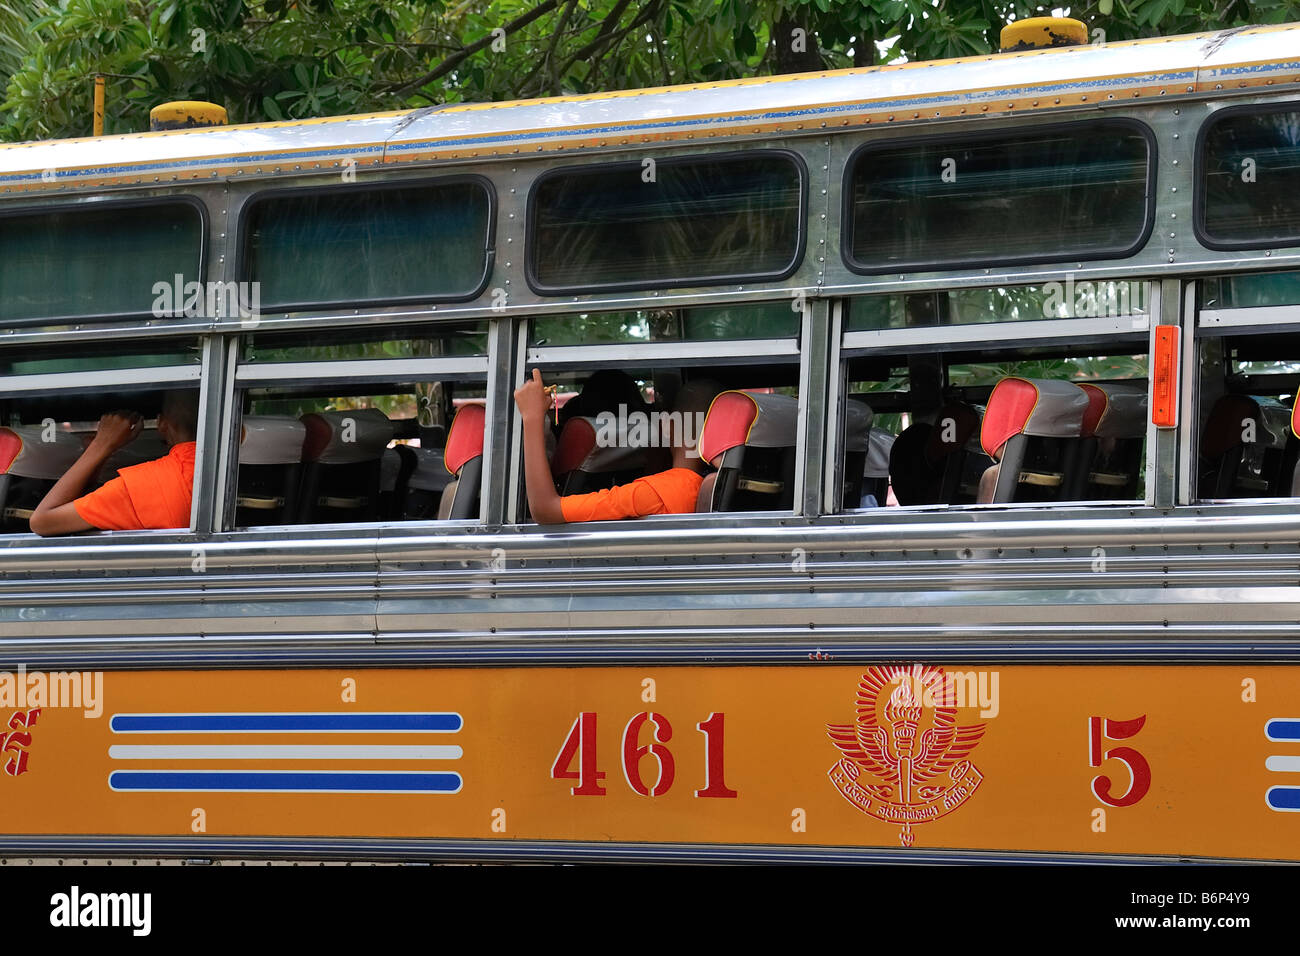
453 61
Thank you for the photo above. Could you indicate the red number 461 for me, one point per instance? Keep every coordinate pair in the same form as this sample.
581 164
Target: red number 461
581 743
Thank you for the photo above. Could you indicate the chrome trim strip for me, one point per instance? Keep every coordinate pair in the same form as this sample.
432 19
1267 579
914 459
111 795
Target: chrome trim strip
360 370
79 381
543 851
1247 318
595 355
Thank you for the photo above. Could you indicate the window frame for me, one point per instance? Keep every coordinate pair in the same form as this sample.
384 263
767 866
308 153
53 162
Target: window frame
788 350
854 344
95 203
143 377
246 374
1199 185
244 237
796 260
1003 132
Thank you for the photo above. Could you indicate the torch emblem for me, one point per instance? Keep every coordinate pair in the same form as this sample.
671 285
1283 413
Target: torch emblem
905 759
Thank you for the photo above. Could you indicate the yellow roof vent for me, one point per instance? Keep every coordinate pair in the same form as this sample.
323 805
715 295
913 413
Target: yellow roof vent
186 114
1038 32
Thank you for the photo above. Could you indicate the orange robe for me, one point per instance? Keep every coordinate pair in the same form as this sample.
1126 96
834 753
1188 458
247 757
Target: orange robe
155 494
670 492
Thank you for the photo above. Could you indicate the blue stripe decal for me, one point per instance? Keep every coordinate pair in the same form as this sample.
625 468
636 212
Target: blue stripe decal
1286 799
276 781
1283 729
285 723
695 122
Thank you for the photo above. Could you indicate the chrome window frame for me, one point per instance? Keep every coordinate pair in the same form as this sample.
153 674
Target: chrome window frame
1199 191
796 261
1009 131
243 374
243 237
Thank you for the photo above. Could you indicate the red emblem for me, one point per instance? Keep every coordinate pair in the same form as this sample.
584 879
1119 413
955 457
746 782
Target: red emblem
19 737
905 758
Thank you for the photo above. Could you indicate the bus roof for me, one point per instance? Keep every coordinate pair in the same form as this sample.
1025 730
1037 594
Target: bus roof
1035 81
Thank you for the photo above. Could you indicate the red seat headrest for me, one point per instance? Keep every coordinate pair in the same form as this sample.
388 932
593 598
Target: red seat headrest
465 439
1043 407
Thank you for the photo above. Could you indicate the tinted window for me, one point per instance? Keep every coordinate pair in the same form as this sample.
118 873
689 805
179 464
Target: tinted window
1049 195
696 221
100 260
425 242
1250 179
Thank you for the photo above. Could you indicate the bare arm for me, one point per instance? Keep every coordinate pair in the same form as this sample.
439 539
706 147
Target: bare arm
56 513
533 404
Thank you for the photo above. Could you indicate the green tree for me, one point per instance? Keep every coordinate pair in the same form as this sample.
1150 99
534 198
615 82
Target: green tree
292 59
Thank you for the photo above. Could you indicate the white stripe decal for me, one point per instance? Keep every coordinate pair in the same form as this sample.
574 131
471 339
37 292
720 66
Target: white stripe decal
282 752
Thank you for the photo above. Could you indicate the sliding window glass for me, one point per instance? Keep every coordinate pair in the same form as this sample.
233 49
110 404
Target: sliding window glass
650 224
993 396
668 412
97 259
359 426
52 397
1248 178
353 245
1078 191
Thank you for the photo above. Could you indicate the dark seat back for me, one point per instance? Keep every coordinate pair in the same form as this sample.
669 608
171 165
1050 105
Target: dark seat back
29 467
463 459
1031 427
1108 463
750 439
1243 448
608 450
342 457
270 470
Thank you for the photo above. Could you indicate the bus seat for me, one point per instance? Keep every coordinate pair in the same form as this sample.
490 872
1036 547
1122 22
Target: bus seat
938 460
750 440
1027 427
1112 439
425 483
875 471
341 464
463 459
29 467
857 445
395 470
596 453
1233 466
270 469
148 446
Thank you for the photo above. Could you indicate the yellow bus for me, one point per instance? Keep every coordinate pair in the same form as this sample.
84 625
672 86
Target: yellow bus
998 553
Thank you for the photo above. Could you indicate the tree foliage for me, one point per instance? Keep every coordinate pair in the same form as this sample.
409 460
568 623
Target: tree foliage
292 59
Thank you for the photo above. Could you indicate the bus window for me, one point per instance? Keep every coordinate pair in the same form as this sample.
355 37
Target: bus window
99 260
397 242
51 400
1248 183
1079 191
361 426
721 218
1248 356
939 396
670 372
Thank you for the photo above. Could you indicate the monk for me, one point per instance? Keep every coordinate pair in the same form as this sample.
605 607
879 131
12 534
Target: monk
669 492
155 494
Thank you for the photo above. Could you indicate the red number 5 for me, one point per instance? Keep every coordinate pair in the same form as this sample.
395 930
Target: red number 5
1138 768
